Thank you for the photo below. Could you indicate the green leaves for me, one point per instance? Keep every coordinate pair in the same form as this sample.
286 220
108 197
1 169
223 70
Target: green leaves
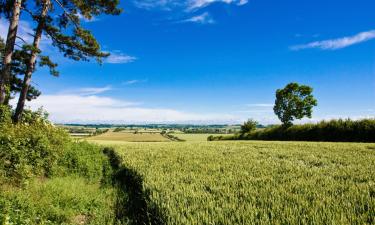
294 102
248 126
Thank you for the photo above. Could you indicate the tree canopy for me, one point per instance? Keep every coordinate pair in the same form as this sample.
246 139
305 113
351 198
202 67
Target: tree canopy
294 102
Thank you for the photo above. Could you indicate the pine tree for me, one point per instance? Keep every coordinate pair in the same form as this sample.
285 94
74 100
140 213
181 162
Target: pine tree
66 33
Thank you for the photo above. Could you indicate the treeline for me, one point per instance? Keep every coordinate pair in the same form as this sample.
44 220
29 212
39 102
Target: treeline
157 126
210 130
325 131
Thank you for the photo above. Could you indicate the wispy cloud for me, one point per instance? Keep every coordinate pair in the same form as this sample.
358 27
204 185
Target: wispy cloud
339 43
204 18
178 10
119 58
87 91
196 4
182 6
130 82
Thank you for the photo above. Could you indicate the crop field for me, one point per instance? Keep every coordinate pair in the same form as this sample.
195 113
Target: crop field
255 182
113 137
195 137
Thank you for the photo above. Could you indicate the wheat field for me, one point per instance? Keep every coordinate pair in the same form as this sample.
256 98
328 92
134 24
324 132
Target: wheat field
256 182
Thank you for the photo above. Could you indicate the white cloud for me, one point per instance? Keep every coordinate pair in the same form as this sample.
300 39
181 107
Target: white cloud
196 4
178 9
87 91
130 82
189 5
119 58
204 18
94 109
338 43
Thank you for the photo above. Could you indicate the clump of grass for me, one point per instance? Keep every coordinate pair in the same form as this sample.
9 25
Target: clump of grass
256 182
66 200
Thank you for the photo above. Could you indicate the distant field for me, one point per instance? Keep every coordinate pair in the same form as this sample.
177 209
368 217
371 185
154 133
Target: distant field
139 131
196 137
110 137
255 182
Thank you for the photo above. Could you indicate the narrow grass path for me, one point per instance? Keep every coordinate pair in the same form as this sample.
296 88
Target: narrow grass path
132 203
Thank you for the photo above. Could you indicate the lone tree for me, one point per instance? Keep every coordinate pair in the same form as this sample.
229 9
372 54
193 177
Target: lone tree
294 102
248 126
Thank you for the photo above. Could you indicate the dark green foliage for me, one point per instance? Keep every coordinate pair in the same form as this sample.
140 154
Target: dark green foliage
66 32
249 126
331 131
225 138
294 102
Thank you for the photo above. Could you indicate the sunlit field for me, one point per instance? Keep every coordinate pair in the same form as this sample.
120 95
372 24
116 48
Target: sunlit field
256 182
196 137
113 137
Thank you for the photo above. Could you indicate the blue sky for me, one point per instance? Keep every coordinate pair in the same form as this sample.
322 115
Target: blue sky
212 61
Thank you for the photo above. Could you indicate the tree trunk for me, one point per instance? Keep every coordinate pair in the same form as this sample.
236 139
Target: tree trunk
31 64
9 47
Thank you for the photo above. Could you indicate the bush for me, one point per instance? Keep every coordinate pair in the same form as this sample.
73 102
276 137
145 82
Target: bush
30 148
249 126
35 147
47 178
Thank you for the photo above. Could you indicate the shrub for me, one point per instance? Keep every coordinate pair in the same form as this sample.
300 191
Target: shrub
249 126
30 148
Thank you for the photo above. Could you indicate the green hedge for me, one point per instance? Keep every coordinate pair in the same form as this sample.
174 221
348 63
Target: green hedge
325 131
36 148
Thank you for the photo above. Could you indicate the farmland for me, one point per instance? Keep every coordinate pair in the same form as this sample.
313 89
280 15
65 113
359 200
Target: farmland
118 137
254 182
195 137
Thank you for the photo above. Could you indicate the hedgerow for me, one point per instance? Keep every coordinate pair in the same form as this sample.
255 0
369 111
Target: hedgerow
326 131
